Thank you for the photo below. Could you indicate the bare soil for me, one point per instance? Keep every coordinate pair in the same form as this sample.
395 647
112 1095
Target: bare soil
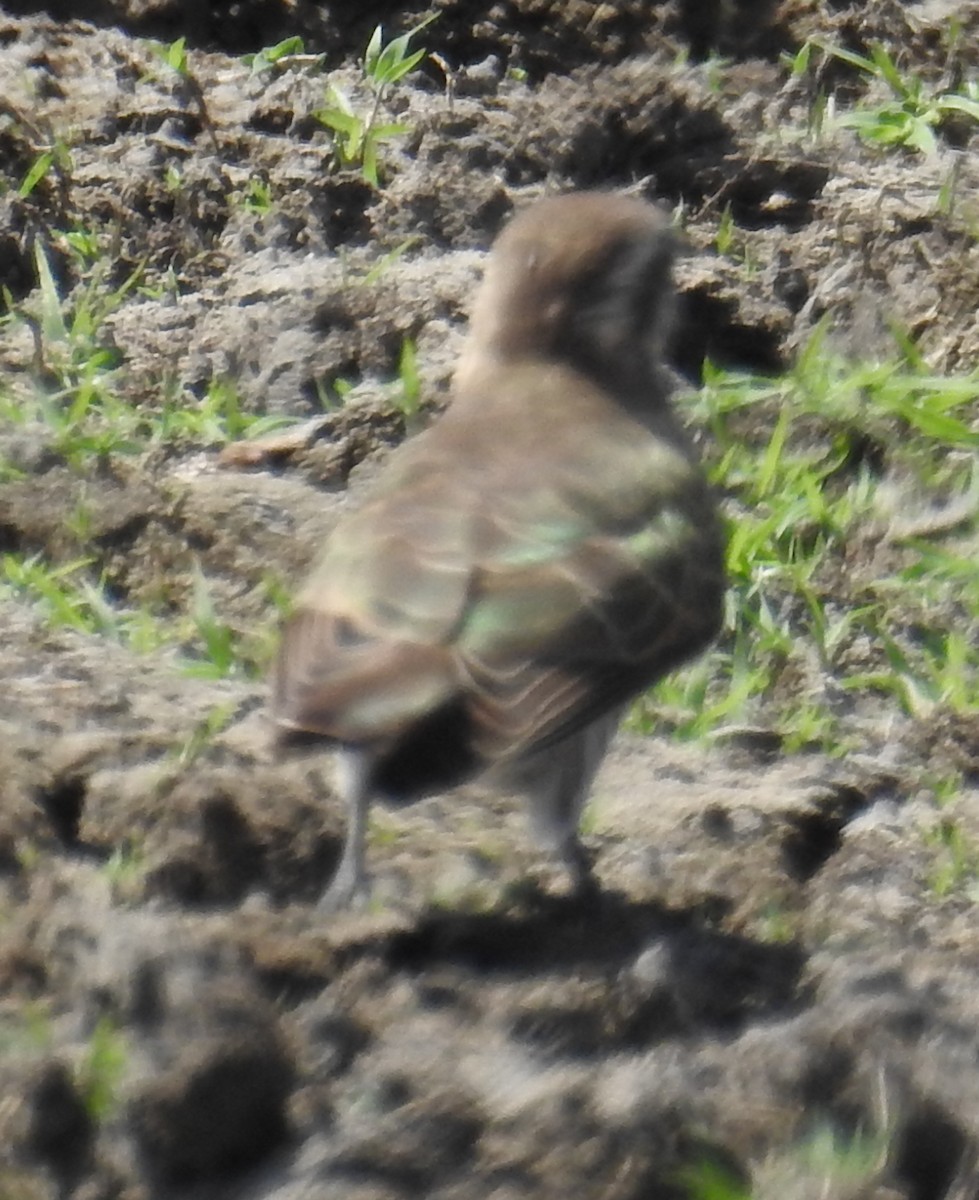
768 964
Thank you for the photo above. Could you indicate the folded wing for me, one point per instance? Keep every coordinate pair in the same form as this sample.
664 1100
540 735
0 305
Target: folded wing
503 609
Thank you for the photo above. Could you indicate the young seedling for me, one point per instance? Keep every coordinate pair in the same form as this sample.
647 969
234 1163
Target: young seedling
709 1180
386 260
407 396
910 114
51 150
67 598
204 733
956 864
221 649
213 421
174 56
724 238
357 137
289 52
56 158
124 871
100 1072
257 197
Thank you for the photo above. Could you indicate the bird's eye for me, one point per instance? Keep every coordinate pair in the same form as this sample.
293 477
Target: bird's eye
347 634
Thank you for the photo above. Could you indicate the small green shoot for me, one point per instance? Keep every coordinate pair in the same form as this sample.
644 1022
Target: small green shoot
388 64
219 649
776 924
56 157
798 64
217 639
173 55
205 732
386 260
278 56
257 196
357 137
124 871
82 244
724 238
710 1181
68 599
215 420
408 394
75 394
101 1070
956 860
63 599
714 69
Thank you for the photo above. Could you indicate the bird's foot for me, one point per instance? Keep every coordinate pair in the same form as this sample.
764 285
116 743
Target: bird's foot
565 875
350 891
579 862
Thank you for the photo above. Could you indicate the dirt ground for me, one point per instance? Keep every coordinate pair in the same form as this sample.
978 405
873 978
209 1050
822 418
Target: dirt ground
769 999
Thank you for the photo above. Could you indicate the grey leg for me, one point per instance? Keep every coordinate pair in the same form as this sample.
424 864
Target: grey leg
556 783
351 884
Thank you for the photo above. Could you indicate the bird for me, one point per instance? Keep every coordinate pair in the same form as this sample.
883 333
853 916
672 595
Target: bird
547 549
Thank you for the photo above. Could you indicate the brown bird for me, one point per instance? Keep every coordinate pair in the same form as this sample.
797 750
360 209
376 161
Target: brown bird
527 565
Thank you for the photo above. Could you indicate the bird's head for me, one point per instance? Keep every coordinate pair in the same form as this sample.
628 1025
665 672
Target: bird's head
584 278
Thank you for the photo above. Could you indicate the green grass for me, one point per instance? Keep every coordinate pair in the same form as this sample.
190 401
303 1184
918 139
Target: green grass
76 395
100 1072
823 1163
208 646
67 598
852 492
220 649
204 733
124 871
899 110
954 868
77 389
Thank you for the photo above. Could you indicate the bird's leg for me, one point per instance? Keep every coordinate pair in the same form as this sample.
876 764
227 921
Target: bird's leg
555 809
350 884
556 782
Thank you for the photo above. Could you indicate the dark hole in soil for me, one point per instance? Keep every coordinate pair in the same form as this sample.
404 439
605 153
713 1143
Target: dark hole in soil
63 804
59 1129
10 539
708 328
932 1149
814 837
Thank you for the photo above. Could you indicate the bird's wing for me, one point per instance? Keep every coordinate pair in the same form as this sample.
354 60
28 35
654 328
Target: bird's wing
537 593
367 649
587 593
